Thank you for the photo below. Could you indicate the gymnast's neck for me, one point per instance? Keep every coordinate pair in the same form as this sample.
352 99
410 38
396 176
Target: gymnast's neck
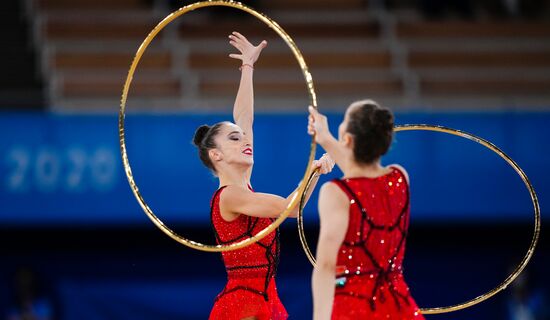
235 175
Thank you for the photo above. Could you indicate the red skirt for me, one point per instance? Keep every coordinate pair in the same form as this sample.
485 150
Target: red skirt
244 298
351 302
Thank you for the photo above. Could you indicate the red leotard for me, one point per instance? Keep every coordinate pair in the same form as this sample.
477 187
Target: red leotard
250 290
370 283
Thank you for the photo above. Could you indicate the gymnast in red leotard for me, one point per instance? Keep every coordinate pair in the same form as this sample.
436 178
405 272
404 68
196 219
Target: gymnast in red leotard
237 212
364 222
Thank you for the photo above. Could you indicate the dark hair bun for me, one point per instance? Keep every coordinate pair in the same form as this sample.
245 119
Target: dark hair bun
200 133
204 139
383 120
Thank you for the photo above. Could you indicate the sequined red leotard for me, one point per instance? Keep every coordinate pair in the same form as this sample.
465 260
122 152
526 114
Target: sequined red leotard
250 290
369 280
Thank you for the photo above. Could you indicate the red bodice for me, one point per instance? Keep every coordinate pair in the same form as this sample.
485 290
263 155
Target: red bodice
370 282
250 290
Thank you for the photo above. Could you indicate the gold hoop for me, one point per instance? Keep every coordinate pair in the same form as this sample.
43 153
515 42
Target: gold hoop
312 98
512 163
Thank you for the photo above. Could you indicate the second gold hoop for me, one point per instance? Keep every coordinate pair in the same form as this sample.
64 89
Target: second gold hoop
512 163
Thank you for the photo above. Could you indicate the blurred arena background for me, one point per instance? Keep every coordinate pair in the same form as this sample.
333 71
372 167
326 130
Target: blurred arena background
76 245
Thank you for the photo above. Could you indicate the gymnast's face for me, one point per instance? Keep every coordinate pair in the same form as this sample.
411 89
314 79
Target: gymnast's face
233 147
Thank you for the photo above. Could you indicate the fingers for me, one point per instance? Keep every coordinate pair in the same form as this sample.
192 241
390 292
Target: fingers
323 164
249 53
327 167
327 164
331 163
316 164
238 35
240 39
322 167
261 46
236 56
310 125
319 119
236 38
235 41
311 117
319 165
311 130
314 113
315 119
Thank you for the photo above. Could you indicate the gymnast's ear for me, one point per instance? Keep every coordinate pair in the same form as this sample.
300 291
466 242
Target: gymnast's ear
215 155
347 140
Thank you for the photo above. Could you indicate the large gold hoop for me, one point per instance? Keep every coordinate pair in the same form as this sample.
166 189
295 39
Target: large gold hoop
512 163
121 116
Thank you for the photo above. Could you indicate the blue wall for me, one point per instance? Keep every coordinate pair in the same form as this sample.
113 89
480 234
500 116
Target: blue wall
66 169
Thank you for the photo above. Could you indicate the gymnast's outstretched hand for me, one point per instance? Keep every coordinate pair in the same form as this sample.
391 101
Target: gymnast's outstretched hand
318 126
248 52
325 164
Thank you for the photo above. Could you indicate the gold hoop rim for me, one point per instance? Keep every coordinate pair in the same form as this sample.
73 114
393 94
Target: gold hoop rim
510 161
122 140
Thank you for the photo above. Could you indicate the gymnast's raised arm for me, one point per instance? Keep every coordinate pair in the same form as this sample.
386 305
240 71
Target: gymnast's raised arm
243 109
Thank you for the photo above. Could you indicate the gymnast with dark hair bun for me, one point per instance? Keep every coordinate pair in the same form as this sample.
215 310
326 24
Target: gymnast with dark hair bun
237 212
364 221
